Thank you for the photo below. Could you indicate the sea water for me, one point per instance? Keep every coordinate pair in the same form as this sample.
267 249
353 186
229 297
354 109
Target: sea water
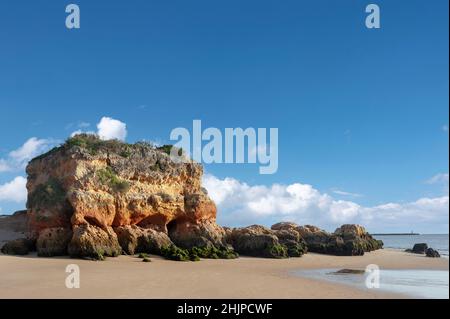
435 241
413 283
433 284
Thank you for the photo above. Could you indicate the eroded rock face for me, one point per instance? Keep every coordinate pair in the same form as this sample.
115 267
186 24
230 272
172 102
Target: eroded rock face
93 242
257 241
134 239
53 241
93 189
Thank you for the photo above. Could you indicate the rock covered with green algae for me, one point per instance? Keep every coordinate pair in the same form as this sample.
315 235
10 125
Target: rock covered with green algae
347 240
260 241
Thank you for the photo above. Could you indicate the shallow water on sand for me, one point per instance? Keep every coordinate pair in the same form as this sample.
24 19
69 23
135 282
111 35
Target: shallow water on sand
413 283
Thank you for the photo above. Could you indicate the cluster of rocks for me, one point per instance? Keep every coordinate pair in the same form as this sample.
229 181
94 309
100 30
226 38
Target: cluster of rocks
347 240
423 249
90 198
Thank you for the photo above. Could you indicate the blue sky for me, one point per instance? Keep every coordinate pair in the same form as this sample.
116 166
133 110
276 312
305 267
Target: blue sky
359 111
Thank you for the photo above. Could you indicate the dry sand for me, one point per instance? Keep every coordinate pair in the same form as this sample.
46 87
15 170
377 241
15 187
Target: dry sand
129 277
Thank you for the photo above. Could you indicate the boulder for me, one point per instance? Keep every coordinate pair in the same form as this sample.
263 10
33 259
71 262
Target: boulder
92 242
347 271
257 241
21 246
350 231
347 240
290 238
420 248
53 242
134 239
188 234
285 226
430 252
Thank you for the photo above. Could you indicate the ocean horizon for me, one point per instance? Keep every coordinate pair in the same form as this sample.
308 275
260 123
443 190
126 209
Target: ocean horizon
439 242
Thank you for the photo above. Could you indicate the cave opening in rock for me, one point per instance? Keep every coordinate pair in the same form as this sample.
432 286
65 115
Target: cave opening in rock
171 226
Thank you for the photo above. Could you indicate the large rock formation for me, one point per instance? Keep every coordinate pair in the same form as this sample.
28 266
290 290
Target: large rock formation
93 198
347 240
90 198
260 241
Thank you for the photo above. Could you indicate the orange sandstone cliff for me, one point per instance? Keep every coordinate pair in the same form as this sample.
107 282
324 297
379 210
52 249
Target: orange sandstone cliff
93 198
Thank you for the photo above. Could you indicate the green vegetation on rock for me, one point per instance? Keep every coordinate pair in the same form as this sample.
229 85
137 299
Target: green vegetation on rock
173 252
108 177
93 144
213 252
277 251
49 194
168 148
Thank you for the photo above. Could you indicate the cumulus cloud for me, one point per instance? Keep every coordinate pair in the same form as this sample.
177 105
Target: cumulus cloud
14 191
30 149
107 129
18 158
240 204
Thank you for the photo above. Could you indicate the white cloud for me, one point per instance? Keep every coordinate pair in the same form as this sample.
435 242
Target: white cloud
240 204
4 166
441 178
14 191
344 193
109 128
30 149
19 158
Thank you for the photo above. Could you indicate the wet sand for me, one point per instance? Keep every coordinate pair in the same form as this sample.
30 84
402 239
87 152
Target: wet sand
129 277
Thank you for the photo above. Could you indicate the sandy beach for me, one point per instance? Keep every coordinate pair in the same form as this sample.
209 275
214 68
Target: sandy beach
129 277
